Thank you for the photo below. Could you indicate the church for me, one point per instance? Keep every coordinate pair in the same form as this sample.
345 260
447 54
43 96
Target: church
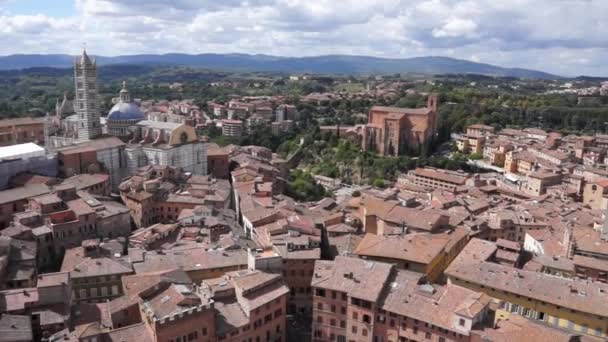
75 132
393 131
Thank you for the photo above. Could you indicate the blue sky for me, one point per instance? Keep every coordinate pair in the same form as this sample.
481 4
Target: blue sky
566 37
59 8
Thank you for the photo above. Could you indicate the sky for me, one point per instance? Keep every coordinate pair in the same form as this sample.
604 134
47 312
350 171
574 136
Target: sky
565 37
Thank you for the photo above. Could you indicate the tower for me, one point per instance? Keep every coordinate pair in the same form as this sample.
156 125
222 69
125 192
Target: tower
124 93
86 102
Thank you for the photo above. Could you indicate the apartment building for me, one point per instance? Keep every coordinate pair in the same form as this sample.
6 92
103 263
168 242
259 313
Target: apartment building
567 303
359 300
232 128
434 178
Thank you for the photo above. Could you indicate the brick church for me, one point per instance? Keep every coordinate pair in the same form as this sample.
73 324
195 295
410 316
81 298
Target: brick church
392 131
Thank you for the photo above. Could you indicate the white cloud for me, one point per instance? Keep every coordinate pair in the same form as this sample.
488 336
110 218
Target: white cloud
455 27
567 37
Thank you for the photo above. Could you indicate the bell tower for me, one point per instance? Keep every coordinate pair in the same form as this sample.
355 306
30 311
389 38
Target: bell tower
86 104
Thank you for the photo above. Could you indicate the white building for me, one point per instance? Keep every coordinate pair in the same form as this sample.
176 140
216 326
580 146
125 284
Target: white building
28 157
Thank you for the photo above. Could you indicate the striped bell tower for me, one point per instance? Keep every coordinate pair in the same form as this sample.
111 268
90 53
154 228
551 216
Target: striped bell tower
86 104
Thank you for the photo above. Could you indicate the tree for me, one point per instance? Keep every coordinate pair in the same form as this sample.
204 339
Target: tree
378 183
475 156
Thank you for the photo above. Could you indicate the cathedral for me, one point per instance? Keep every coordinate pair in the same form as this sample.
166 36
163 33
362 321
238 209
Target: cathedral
75 132
392 131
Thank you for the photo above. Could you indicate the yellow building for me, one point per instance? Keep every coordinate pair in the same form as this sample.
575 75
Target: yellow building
571 304
595 194
470 144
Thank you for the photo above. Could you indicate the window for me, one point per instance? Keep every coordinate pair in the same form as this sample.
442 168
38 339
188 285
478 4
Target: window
343 310
332 322
320 320
320 306
355 315
364 332
428 336
333 308
354 330
342 324
461 322
367 319
320 292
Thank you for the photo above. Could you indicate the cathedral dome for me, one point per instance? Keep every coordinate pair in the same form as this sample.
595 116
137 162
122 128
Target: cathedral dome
125 111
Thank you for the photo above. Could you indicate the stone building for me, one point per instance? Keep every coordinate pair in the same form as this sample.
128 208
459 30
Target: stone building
218 164
159 193
21 130
95 277
65 217
360 300
100 155
392 131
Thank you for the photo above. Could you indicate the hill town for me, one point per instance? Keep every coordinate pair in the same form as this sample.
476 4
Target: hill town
305 207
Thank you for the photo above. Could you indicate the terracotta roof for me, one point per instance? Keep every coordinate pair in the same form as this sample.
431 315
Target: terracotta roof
437 305
95 267
53 279
575 294
346 244
92 146
15 328
191 259
441 176
421 248
255 289
593 263
401 111
21 121
360 278
85 180
473 253
518 328
138 332
230 316
17 300
174 299
21 193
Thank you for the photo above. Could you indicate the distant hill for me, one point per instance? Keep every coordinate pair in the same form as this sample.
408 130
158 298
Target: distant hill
331 64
